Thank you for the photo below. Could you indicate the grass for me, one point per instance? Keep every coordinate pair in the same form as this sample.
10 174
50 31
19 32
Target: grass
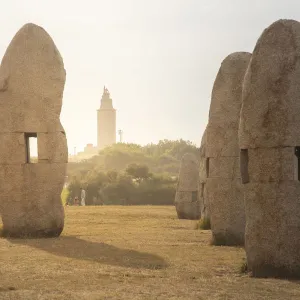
243 268
137 252
203 224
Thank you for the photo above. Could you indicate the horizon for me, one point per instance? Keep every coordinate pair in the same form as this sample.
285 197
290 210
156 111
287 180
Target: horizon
159 64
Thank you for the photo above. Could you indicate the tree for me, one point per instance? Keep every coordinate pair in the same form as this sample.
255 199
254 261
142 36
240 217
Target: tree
165 156
138 172
119 191
112 175
130 173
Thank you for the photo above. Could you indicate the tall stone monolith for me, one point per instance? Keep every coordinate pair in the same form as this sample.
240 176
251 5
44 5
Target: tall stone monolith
32 78
186 199
269 140
223 186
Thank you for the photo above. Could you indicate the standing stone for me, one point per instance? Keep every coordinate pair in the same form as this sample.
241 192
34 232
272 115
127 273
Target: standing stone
204 207
32 78
186 199
269 139
223 186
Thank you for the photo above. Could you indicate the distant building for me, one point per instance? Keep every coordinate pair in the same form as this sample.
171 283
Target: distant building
89 151
106 129
106 120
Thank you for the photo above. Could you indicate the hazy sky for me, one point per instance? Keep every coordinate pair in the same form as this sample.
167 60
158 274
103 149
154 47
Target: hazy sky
158 58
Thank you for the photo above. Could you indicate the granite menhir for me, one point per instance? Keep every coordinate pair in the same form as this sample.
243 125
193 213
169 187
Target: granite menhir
32 79
223 184
269 139
186 199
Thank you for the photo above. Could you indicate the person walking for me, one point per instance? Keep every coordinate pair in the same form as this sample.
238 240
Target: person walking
82 197
76 201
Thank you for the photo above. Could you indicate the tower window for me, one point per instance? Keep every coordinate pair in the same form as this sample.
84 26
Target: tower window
297 166
31 149
244 165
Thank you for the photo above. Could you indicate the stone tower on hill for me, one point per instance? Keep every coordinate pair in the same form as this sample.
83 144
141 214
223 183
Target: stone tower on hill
106 118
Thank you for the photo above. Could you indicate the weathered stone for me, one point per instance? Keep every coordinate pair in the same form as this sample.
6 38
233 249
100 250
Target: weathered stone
268 137
186 199
226 203
204 207
223 187
32 78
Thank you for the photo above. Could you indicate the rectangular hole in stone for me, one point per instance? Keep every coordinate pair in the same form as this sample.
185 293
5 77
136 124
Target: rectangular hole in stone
202 189
297 165
194 196
207 167
31 147
244 165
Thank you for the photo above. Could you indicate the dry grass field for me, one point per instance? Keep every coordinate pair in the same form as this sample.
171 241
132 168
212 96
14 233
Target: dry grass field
144 252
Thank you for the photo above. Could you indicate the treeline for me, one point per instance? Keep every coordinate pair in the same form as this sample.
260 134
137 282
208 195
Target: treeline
129 174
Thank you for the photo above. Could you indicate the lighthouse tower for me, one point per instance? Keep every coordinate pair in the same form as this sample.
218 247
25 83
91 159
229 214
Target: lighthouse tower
106 119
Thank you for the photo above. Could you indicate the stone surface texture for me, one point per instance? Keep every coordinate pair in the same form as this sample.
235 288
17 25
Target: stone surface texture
204 207
269 132
186 199
32 78
223 184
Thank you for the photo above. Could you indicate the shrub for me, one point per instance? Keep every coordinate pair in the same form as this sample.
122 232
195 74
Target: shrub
133 186
203 224
243 268
64 196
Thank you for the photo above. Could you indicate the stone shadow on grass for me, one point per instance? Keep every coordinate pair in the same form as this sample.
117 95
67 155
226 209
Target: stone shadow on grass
73 247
